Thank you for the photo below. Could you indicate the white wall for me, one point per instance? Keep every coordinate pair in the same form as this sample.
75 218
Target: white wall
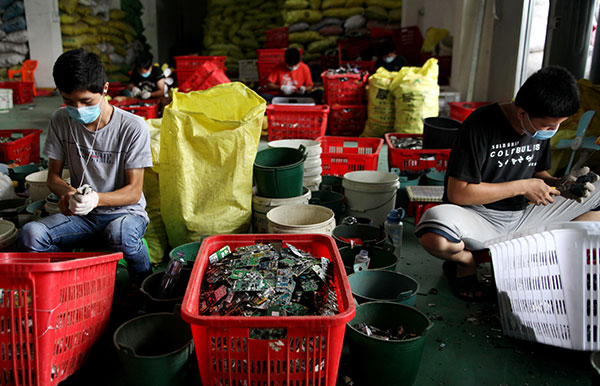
45 44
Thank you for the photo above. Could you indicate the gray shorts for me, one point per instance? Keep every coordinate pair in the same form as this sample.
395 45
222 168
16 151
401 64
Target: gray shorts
475 224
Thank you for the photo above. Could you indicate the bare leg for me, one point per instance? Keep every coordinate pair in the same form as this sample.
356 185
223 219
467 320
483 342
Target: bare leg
442 248
589 216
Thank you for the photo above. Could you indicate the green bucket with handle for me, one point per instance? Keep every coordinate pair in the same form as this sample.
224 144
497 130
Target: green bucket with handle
381 258
188 251
387 362
154 349
390 286
278 172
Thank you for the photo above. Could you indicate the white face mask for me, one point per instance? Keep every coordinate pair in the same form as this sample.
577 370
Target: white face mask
293 68
389 59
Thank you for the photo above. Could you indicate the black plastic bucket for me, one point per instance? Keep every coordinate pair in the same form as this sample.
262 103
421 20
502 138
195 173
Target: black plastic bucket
439 132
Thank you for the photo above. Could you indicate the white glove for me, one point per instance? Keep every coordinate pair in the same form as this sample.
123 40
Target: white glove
145 94
288 89
301 90
84 201
136 92
578 184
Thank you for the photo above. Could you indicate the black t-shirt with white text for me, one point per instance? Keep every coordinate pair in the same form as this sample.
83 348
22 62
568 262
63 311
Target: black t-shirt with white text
488 149
149 83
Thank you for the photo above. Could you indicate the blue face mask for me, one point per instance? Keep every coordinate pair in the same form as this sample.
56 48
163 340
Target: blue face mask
85 115
145 74
539 134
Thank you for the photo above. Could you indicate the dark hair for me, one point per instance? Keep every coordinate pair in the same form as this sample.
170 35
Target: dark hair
550 92
386 47
143 60
79 70
292 56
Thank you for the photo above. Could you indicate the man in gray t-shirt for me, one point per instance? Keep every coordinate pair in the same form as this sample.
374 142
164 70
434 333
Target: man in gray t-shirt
106 150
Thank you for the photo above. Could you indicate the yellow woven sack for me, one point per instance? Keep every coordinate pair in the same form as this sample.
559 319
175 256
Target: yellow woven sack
67 6
315 4
380 104
416 94
65 18
117 14
304 37
387 4
74 29
433 36
295 4
307 15
343 13
92 20
395 14
209 140
326 4
355 3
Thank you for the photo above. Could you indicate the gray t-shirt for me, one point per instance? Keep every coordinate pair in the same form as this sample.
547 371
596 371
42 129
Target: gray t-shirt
124 143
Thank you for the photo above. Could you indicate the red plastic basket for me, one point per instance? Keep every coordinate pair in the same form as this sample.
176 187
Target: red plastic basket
23 150
147 112
185 66
114 88
408 42
362 65
415 159
347 121
344 89
349 154
461 110
277 38
310 353
54 308
199 76
22 91
297 122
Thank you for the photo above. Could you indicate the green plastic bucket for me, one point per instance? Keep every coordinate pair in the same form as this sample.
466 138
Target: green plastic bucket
381 258
384 362
150 288
368 286
329 199
188 251
435 178
334 182
154 349
368 234
278 172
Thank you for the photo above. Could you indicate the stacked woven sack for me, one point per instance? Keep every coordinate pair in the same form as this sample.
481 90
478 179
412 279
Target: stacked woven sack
13 36
237 28
93 26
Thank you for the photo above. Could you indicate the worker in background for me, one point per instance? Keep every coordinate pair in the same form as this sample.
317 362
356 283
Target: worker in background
106 150
497 181
146 81
389 59
291 78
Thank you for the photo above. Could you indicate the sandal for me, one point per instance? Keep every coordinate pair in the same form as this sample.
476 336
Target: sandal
467 288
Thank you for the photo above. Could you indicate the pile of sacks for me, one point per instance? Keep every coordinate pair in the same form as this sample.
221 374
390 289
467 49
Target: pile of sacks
13 35
91 25
237 28
314 25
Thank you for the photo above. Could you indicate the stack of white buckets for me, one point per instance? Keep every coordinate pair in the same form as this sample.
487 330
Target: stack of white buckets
311 181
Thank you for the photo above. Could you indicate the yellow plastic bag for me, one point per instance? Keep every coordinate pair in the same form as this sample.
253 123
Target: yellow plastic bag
416 94
590 99
380 104
156 233
433 36
208 143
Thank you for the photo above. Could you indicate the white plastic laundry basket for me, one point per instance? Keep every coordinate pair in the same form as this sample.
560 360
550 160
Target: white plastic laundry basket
548 284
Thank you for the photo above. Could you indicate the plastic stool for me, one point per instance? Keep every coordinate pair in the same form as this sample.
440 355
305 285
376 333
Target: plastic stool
422 198
26 71
417 209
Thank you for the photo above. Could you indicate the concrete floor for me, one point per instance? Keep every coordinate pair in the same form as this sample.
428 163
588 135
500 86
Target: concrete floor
465 347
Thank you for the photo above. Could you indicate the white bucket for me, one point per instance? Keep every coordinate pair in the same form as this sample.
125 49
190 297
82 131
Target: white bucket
312 182
36 183
262 205
8 234
313 148
370 194
311 172
312 162
301 219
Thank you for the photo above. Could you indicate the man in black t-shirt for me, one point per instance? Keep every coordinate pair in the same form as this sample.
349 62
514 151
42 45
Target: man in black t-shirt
497 181
146 81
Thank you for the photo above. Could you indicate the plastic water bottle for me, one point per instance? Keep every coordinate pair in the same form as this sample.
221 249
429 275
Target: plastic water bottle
394 228
361 261
170 276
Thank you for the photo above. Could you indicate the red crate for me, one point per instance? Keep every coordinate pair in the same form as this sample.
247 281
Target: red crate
185 66
147 112
23 150
55 306
349 154
415 159
22 91
222 359
277 38
347 121
408 42
297 122
461 110
344 89
199 76
115 88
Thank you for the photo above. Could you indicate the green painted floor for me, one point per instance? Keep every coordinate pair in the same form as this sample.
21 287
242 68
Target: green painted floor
465 347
